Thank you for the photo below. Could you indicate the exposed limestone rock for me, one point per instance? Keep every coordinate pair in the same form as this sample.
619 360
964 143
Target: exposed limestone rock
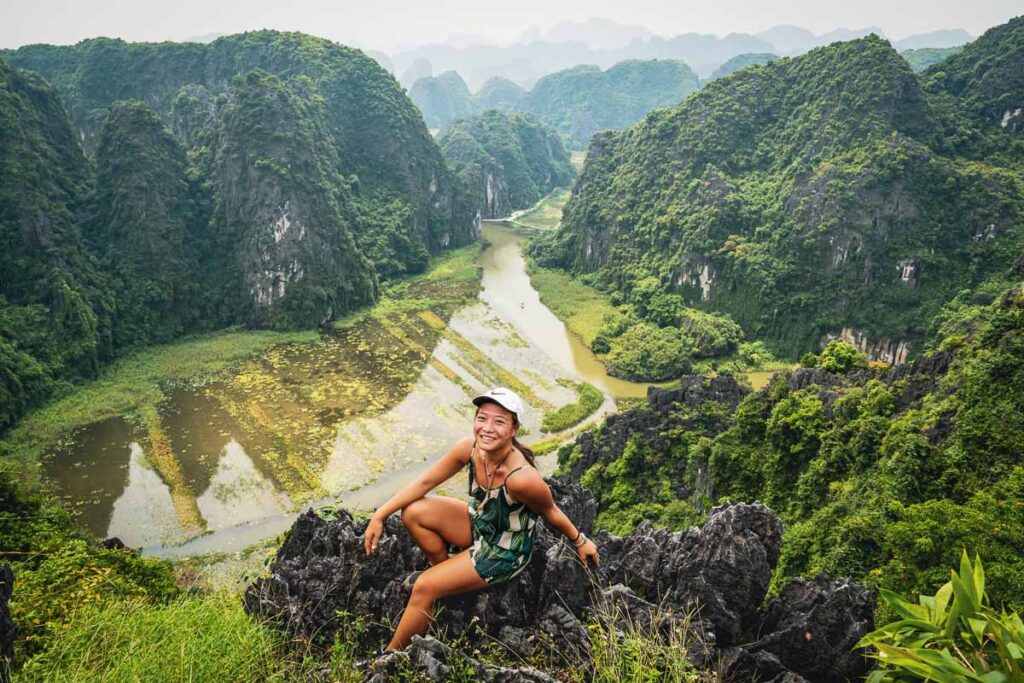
438 662
814 625
892 352
708 582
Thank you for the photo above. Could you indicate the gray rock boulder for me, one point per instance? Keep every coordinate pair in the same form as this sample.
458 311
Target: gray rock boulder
707 583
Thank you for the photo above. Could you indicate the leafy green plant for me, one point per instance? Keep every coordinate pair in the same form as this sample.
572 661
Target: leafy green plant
628 648
841 357
950 637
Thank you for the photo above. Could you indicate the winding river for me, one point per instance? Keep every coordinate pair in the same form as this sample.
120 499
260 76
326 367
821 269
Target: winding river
225 466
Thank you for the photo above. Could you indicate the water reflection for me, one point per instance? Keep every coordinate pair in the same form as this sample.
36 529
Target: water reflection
507 289
144 513
238 493
90 471
348 419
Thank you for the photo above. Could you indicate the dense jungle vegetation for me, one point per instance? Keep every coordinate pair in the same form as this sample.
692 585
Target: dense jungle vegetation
884 474
506 161
801 203
266 180
740 61
279 181
831 194
576 102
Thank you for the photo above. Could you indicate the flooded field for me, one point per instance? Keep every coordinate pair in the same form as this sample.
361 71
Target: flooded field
349 418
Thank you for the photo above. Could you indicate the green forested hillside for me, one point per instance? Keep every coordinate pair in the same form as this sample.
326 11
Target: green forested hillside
740 61
884 475
507 161
55 304
499 93
144 223
822 196
987 76
578 102
266 179
443 98
924 57
376 131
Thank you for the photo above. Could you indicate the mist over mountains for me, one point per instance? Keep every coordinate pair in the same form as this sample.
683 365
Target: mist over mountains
603 42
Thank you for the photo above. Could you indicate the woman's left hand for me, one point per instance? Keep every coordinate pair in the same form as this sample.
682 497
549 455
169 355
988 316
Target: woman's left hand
588 551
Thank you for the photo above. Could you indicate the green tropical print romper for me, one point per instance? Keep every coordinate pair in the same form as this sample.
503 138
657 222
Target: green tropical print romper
502 530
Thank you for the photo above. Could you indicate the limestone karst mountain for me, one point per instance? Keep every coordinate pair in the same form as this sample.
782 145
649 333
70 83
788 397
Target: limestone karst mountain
822 196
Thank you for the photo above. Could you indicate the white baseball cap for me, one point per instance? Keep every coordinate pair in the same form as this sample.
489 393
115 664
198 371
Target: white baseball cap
504 397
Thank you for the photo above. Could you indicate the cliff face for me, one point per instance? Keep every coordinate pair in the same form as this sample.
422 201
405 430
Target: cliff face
506 161
143 226
55 311
807 197
376 133
289 255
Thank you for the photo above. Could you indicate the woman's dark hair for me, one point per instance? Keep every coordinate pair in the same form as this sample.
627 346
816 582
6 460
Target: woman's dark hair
525 450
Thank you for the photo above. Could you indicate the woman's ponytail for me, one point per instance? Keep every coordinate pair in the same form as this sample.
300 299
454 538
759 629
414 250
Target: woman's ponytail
527 453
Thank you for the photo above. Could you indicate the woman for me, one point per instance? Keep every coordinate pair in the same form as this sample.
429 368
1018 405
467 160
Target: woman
496 527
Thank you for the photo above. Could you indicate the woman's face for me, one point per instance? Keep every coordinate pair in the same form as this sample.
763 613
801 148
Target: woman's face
493 428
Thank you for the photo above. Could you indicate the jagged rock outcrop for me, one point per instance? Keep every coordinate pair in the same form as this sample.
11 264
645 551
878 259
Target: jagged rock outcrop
708 581
666 409
437 662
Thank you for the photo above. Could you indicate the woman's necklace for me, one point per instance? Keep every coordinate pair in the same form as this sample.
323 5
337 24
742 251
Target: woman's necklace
490 475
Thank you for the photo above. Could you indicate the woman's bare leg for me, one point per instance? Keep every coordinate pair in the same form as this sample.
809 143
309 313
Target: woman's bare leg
434 522
455 576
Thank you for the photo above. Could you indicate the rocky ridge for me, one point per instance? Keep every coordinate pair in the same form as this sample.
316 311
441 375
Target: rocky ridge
707 582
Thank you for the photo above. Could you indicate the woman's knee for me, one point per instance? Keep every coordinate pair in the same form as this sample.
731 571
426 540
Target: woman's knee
424 592
412 512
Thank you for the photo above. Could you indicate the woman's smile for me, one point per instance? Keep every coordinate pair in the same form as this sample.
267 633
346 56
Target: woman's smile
493 427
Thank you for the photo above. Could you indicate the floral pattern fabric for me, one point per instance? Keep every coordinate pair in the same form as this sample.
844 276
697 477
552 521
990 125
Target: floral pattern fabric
502 531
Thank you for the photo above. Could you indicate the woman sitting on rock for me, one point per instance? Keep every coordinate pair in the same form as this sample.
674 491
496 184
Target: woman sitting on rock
496 526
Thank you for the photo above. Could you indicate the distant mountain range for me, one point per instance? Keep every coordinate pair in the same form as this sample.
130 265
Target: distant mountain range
603 42
576 102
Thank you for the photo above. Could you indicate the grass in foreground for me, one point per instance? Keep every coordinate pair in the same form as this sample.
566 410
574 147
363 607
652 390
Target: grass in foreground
208 638
192 639
581 307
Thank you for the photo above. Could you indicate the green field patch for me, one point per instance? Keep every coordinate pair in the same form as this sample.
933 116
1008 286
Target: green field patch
490 373
581 307
141 380
589 399
547 213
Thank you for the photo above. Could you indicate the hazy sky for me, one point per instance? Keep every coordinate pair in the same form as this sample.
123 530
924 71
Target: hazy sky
389 24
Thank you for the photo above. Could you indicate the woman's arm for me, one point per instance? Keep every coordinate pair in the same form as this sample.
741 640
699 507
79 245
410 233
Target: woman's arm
529 487
449 463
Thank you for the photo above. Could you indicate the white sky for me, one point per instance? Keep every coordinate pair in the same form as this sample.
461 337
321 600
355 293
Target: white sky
390 24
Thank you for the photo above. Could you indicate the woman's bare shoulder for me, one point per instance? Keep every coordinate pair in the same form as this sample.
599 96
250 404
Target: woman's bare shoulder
462 449
526 479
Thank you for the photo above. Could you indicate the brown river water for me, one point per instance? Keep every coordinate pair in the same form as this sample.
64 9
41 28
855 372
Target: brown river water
346 420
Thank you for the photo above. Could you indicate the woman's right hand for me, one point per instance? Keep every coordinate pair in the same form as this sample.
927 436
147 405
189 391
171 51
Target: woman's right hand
374 530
